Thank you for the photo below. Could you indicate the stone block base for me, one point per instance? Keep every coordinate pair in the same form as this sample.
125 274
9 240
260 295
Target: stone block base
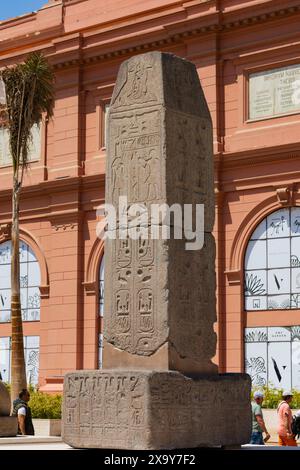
8 426
47 427
116 409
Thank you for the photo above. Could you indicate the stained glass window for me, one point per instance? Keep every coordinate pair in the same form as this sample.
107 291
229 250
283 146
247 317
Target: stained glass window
272 356
272 262
31 352
29 281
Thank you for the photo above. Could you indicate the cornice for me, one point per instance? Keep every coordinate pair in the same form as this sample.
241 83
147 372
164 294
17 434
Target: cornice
194 24
61 185
257 156
177 33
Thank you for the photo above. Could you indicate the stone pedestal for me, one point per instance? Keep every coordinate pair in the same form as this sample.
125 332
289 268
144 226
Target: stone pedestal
8 426
155 410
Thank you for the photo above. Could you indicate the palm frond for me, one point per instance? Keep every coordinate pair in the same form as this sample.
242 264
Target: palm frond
29 93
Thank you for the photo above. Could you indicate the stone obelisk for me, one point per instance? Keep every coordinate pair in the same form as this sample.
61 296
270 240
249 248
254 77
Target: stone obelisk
159 387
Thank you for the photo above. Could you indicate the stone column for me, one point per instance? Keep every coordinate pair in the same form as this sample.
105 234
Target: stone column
159 388
159 297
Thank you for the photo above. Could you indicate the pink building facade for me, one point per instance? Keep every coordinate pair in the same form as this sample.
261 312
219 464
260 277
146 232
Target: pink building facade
247 57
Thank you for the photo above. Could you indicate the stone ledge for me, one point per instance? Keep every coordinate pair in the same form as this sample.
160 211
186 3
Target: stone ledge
29 440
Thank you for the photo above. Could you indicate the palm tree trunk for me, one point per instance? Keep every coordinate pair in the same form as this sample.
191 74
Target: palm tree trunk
18 372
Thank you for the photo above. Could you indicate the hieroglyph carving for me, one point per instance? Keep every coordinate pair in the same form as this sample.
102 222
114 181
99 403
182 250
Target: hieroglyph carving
134 324
136 167
98 404
148 409
136 83
159 152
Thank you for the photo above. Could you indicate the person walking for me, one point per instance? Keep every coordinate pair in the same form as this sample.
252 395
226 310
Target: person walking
258 423
285 419
23 412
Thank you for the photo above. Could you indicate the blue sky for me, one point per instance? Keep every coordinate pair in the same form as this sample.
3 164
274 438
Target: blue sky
10 8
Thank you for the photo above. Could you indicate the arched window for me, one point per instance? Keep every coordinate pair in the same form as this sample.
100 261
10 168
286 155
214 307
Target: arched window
31 352
101 312
272 262
30 279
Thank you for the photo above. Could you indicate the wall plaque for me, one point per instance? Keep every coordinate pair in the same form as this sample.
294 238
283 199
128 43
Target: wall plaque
274 92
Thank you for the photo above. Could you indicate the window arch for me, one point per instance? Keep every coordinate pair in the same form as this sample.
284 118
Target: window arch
30 279
272 262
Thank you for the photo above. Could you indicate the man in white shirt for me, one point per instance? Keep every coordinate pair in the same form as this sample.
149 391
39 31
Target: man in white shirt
23 413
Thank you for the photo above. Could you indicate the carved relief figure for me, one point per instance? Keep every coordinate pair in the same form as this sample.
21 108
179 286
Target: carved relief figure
151 174
134 84
118 177
138 83
134 181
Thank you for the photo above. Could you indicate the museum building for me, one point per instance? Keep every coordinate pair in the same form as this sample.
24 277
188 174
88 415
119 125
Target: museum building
247 57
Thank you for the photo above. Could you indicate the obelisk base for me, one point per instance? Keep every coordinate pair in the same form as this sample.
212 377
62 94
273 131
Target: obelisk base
137 409
8 426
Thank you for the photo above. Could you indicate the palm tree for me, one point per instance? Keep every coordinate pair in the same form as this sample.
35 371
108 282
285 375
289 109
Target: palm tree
29 88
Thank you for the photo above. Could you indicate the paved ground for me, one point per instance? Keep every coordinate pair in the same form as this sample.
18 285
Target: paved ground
55 443
33 442
39 446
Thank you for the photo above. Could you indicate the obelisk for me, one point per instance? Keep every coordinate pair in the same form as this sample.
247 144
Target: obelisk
159 387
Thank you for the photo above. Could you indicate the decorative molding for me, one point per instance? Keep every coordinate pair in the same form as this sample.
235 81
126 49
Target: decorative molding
246 227
32 242
256 156
234 277
284 196
63 227
44 291
92 270
181 36
5 231
90 287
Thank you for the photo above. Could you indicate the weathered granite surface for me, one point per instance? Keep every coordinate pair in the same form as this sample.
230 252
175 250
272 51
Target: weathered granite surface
159 297
155 410
8 424
159 388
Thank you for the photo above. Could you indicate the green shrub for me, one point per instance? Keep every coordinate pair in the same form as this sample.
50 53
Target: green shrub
273 396
45 406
